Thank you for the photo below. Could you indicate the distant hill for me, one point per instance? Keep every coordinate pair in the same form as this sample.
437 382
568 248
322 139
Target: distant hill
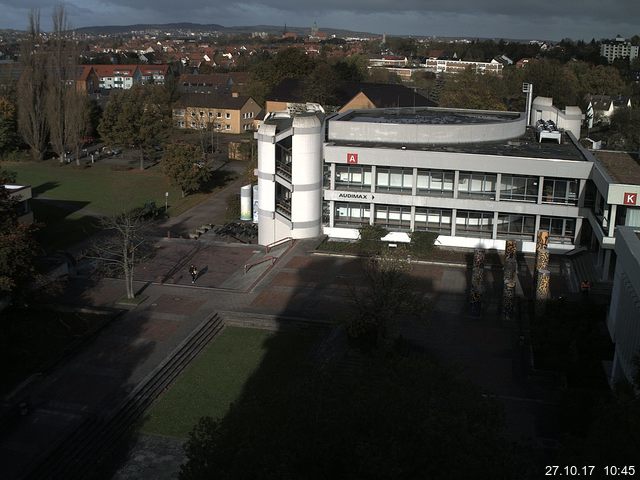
114 29
197 27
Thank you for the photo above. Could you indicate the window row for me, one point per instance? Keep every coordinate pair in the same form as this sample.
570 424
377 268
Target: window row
470 184
227 115
468 222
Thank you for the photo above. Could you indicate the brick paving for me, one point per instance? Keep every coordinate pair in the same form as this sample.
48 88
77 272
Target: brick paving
299 284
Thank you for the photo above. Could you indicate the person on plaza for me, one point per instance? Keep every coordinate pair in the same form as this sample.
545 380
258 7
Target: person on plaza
193 270
585 286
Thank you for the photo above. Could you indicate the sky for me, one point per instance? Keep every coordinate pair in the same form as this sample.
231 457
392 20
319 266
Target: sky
524 19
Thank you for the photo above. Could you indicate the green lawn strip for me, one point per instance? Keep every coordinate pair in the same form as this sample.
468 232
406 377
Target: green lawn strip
238 361
101 189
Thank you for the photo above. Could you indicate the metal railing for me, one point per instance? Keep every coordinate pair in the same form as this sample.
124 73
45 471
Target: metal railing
271 258
277 243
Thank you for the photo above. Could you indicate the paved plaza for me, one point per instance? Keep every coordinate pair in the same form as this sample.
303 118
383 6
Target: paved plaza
300 284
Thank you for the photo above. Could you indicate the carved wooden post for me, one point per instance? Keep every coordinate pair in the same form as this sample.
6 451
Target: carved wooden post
477 281
509 277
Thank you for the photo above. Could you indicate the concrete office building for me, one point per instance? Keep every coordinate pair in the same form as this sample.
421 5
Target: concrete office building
618 48
476 178
624 313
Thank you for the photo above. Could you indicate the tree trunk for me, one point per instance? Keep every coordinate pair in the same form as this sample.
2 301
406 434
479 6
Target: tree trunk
141 159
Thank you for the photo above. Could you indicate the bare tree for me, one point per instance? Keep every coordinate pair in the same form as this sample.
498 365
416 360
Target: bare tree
32 122
61 104
387 292
123 245
76 120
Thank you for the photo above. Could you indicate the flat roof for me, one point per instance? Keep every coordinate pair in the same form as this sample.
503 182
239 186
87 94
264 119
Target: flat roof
428 116
526 145
622 166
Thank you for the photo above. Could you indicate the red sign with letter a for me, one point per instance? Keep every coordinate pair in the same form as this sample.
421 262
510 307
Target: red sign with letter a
630 198
352 158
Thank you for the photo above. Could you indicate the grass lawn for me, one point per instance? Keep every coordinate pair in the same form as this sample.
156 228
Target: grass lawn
98 189
67 199
223 372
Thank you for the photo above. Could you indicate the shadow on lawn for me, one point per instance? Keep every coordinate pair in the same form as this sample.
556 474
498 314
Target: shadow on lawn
61 227
44 187
345 409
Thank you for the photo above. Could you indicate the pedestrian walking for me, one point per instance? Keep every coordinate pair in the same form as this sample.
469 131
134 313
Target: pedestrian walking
193 270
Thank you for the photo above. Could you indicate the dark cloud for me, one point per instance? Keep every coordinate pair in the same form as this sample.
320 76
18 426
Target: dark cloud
503 18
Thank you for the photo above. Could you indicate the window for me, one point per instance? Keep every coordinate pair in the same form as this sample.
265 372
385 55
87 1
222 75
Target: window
472 223
394 180
326 175
477 185
227 115
227 127
435 182
193 124
219 114
558 190
393 216
210 114
516 226
193 114
519 188
433 220
201 113
352 214
561 230
353 178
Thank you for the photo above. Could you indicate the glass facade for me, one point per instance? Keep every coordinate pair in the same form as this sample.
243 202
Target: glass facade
394 217
437 183
351 214
516 226
433 220
350 177
519 188
397 180
560 190
474 224
477 185
561 230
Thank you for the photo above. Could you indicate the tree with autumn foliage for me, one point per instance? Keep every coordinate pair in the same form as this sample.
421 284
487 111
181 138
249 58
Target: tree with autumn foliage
139 118
184 166
9 138
18 246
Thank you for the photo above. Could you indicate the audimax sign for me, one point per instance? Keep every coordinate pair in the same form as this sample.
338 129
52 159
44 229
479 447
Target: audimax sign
356 196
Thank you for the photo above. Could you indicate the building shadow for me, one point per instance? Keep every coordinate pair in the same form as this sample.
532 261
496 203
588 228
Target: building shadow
340 409
72 396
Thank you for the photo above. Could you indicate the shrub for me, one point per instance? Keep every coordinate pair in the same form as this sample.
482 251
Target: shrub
422 243
370 236
233 208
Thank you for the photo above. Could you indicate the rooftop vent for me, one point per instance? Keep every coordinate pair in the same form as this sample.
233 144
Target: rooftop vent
547 129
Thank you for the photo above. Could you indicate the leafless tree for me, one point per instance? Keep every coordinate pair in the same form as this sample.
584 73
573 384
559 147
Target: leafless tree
387 292
63 108
32 122
76 120
122 246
